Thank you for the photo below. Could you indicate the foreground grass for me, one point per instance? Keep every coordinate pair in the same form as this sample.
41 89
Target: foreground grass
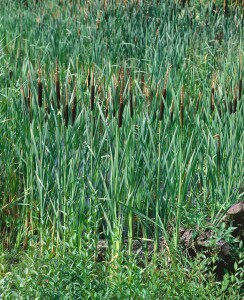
79 276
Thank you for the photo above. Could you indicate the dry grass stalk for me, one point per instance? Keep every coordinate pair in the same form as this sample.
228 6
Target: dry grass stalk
39 87
74 104
57 85
182 107
92 100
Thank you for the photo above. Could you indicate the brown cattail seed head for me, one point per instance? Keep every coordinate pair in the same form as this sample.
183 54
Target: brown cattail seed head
57 86
240 80
39 87
225 6
172 111
198 100
217 136
131 100
162 104
92 92
24 97
212 98
88 78
182 107
107 106
142 82
66 109
121 103
235 103
74 106
29 96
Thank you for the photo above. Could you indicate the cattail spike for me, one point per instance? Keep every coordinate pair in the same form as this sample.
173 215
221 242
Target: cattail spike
212 98
172 111
230 107
74 106
29 96
131 100
198 100
167 76
225 7
240 80
240 88
182 107
235 103
121 104
88 78
217 136
107 107
142 82
57 85
92 92
39 87
162 104
164 93
66 109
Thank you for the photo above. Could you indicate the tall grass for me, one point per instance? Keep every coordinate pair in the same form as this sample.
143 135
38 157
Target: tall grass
114 170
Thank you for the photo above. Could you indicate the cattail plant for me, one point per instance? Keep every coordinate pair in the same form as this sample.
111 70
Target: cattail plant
172 111
29 96
26 106
198 100
164 92
235 102
39 87
240 80
116 92
47 112
57 86
131 99
66 108
107 105
212 98
217 136
225 6
88 78
92 99
142 82
182 107
10 74
121 102
74 106
230 107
